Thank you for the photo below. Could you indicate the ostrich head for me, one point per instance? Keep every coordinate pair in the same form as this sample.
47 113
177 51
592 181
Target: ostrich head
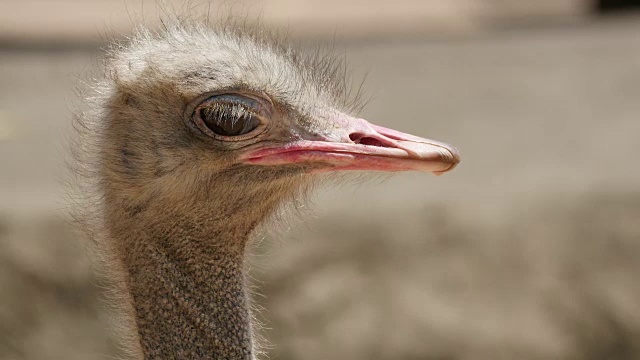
200 135
237 119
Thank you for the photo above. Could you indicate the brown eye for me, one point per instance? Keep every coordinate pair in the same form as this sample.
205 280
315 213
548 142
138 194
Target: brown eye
229 116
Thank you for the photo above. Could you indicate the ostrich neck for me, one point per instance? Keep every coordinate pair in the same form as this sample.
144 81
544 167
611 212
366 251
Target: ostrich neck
187 288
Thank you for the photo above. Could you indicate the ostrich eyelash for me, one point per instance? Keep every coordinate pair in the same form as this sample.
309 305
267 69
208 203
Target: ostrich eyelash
230 117
224 112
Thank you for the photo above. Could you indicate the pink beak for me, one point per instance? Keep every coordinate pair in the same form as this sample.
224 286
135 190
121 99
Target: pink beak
355 144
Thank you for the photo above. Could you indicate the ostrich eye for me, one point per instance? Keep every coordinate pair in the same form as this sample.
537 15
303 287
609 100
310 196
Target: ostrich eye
229 117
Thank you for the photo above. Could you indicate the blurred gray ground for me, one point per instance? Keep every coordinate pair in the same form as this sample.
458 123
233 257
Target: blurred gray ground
528 250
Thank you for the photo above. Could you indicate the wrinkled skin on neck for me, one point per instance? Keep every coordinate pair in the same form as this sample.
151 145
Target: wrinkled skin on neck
183 259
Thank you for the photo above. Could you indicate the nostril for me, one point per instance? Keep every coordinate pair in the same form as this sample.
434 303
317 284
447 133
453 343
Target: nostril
355 137
366 140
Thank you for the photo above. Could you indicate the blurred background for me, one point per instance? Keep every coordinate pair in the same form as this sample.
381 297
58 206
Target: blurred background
530 249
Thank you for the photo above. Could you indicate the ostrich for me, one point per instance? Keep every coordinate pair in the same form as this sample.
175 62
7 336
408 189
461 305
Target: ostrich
192 139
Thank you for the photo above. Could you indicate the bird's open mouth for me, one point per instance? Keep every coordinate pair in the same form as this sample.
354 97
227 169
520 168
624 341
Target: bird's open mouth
364 146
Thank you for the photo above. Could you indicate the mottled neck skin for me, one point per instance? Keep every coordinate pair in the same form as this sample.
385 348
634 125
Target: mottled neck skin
186 283
191 307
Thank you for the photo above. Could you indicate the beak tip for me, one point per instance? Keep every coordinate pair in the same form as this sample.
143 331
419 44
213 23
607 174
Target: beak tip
455 154
452 157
